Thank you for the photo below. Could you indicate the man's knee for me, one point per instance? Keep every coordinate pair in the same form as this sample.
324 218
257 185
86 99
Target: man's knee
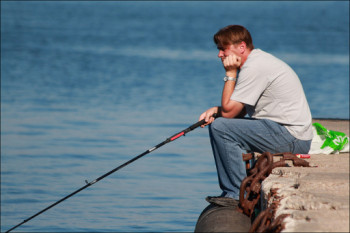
234 129
222 124
217 126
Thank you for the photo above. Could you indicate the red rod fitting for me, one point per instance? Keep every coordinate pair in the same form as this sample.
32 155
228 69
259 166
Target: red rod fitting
177 136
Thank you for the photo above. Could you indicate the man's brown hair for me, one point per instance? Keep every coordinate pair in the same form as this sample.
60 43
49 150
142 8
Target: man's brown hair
233 34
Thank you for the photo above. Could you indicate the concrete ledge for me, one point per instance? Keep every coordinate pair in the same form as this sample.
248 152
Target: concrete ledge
317 198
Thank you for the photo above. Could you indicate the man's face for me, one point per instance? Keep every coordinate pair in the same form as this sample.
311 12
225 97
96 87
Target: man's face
227 50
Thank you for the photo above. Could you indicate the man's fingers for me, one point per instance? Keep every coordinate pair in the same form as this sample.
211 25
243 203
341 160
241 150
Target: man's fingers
207 117
203 116
232 62
239 61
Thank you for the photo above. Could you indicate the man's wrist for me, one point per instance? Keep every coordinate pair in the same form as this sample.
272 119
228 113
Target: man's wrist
226 78
232 74
218 114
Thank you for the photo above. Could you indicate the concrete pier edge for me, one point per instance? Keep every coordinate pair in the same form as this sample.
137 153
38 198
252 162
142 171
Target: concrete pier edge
317 198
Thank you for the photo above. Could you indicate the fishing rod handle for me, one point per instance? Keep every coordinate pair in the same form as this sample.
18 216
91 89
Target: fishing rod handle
183 132
202 122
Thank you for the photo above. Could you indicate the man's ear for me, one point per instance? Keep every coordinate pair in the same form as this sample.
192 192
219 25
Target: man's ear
242 47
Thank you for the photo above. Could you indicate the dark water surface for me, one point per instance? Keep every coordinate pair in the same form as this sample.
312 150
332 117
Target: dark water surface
86 86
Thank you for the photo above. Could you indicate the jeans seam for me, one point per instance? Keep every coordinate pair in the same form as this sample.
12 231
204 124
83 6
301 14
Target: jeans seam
226 143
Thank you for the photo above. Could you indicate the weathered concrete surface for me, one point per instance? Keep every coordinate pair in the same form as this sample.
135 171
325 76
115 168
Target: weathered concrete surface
317 198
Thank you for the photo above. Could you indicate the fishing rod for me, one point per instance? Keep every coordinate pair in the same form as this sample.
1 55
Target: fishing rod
170 139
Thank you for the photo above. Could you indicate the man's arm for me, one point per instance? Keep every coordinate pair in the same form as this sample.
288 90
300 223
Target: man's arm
229 108
243 113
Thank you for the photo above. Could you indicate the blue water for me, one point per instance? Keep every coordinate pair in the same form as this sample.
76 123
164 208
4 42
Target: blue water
86 86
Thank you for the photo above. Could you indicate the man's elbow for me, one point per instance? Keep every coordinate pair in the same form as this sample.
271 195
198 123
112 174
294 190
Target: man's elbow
227 115
231 110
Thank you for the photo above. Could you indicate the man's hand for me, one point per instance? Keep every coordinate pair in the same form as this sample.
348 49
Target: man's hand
207 115
231 64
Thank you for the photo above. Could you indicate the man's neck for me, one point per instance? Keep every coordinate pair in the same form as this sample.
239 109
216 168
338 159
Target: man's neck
245 56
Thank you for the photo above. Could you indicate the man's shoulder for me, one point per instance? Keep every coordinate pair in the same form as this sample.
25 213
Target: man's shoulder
262 58
257 57
259 53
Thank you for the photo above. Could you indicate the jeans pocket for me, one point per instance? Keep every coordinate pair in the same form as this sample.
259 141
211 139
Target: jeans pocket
287 147
302 146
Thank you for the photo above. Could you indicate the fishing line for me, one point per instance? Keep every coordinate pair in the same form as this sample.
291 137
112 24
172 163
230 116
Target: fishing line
170 139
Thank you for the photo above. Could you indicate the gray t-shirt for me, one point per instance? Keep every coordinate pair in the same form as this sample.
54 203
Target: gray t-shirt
270 89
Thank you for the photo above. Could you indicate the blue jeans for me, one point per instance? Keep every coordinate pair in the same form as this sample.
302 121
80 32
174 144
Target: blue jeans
231 137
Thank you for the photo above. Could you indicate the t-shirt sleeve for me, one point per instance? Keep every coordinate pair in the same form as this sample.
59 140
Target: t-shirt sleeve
249 87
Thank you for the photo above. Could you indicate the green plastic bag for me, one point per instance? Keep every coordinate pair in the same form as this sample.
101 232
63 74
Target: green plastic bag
333 139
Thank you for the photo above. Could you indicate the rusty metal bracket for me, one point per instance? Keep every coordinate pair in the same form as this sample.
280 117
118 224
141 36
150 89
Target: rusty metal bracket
297 162
265 222
251 186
